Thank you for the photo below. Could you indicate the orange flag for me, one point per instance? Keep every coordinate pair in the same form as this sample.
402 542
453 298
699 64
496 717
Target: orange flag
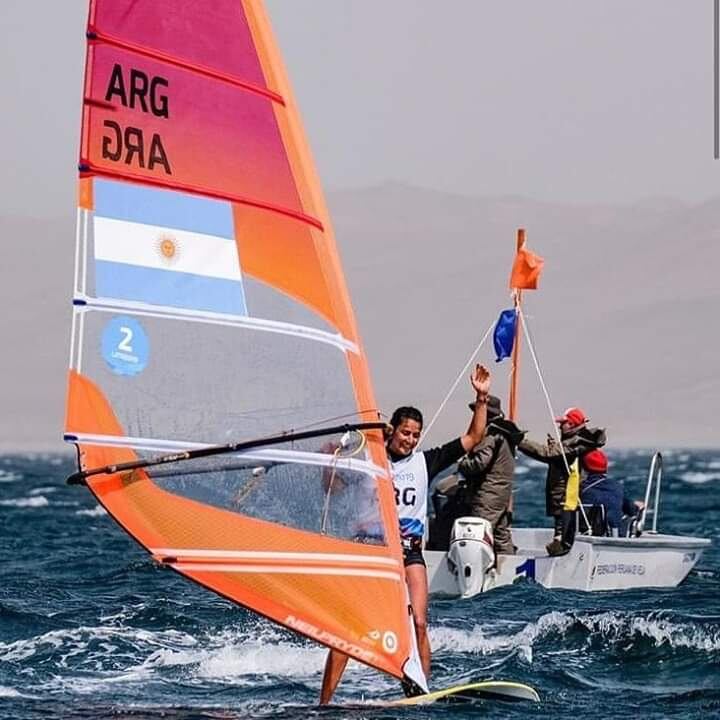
526 270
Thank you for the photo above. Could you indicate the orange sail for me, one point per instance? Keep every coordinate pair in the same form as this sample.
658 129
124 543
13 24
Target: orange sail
209 308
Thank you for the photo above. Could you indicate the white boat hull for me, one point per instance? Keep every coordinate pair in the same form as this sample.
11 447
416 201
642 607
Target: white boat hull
593 563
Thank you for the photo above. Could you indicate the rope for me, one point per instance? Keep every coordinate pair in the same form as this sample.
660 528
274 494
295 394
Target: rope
531 347
428 427
333 473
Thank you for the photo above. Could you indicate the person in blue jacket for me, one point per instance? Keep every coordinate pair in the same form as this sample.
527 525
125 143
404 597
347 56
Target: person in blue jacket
596 488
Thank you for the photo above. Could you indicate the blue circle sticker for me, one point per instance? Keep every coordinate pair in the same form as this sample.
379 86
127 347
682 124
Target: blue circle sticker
125 346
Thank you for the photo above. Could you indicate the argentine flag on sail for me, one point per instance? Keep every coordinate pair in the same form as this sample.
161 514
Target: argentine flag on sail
163 247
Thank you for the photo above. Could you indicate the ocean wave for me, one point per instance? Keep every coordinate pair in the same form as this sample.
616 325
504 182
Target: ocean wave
44 489
235 655
699 478
36 501
10 692
662 632
479 641
89 643
122 654
97 511
613 627
7 476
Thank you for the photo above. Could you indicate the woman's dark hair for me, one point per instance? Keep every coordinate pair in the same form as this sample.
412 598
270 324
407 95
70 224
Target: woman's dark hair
406 413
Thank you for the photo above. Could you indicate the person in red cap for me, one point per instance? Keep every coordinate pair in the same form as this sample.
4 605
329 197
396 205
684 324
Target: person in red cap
577 439
573 416
596 488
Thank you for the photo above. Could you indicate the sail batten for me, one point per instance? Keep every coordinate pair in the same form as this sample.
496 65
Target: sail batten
95 35
99 171
115 305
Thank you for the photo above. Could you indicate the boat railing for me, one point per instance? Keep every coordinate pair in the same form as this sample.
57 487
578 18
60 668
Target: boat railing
653 482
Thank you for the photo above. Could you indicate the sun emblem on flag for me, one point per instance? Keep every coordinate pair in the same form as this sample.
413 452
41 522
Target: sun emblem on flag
168 248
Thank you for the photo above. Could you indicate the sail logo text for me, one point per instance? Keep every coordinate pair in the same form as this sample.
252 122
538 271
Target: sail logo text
327 638
130 144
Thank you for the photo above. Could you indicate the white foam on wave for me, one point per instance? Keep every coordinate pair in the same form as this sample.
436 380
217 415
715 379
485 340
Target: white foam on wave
8 476
231 656
73 642
612 626
699 478
662 632
97 511
117 654
41 490
255 657
36 501
483 642
11 692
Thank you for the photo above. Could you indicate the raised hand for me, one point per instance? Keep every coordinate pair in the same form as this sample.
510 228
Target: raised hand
480 379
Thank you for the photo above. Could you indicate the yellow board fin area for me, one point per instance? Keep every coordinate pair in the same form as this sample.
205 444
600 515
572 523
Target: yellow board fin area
485 690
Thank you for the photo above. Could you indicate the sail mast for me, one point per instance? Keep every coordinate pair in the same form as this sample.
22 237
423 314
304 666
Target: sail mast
515 358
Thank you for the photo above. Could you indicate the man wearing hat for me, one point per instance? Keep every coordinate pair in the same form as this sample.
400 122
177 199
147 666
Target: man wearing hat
577 439
488 471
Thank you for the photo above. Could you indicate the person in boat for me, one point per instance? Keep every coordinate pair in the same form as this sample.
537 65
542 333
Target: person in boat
487 473
482 486
596 488
412 473
577 439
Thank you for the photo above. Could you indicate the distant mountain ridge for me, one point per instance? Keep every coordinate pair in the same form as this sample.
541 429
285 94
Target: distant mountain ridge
624 320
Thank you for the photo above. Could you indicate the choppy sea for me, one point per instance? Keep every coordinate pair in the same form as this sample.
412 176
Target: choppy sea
91 628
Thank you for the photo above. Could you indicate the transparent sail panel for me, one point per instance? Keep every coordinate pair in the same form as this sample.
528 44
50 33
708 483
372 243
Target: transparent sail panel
191 381
328 496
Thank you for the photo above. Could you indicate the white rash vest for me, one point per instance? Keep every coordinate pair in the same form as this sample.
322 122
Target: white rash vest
412 476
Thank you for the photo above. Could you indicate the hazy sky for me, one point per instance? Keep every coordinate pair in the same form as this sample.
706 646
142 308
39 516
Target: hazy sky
571 101
561 99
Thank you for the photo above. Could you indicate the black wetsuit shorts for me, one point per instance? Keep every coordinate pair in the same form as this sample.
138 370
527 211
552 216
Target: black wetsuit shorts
412 551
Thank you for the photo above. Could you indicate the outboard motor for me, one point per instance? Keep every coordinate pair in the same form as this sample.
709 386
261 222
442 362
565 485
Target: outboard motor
471 554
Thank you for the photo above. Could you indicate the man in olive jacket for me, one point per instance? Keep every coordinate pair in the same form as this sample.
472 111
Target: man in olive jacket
577 440
488 471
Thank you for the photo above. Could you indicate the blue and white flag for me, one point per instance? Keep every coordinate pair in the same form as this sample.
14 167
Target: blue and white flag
504 335
168 248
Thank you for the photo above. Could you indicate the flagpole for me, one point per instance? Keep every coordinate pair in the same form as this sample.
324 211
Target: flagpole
515 357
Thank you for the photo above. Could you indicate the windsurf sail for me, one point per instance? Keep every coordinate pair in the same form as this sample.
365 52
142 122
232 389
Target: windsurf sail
210 310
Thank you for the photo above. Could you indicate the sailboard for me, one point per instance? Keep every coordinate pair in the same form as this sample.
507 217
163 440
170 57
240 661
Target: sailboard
469 692
215 363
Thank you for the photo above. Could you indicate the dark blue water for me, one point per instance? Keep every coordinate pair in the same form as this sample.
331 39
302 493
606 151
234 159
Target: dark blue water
90 627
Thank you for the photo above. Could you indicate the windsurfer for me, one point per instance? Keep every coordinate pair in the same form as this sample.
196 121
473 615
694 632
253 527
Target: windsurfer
412 473
577 439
